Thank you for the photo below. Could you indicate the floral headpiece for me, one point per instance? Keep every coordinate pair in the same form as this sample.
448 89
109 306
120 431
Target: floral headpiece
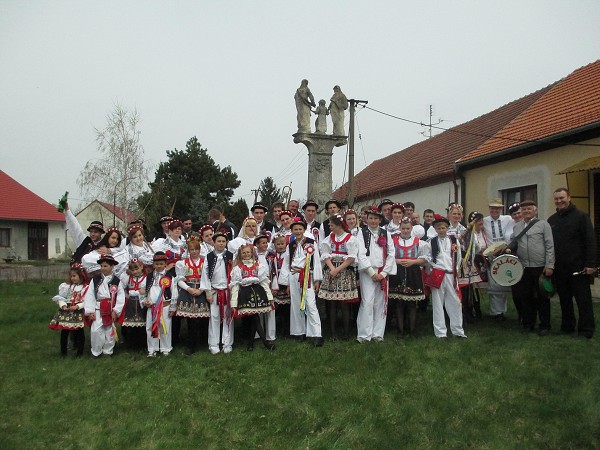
398 206
204 228
111 229
134 228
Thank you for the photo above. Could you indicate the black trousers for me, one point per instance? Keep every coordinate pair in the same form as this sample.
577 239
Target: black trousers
78 338
578 286
534 304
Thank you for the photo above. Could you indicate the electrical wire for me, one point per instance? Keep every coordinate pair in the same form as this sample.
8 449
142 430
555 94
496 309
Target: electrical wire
452 130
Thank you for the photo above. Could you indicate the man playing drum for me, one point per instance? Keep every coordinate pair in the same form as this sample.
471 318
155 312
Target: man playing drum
536 252
497 228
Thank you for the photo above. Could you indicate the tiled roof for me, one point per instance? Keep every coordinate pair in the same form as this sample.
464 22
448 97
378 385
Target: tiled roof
19 203
571 103
432 161
123 214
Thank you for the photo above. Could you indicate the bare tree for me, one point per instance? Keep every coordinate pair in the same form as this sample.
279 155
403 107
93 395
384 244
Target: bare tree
120 173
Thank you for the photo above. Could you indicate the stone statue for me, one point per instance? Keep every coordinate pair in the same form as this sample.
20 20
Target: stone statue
339 103
321 123
304 101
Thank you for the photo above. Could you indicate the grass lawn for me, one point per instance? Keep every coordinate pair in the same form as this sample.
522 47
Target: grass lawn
497 389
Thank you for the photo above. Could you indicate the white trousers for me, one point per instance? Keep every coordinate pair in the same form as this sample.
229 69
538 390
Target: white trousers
102 338
446 297
497 296
163 342
268 322
215 327
306 322
371 318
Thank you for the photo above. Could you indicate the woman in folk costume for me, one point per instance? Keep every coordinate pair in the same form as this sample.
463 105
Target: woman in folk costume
250 293
406 286
133 318
397 211
191 302
110 244
69 318
472 273
138 248
174 246
281 295
206 243
376 262
455 215
216 276
352 221
339 251
246 236
103 304
302 274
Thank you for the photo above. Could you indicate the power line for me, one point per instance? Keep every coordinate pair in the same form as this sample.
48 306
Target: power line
452 130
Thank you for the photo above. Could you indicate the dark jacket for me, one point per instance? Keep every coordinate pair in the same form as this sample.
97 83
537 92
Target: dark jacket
574 239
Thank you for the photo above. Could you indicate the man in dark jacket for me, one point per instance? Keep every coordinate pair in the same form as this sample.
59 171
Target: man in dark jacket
575 249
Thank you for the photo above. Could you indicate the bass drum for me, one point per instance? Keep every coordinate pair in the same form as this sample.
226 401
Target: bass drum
506 270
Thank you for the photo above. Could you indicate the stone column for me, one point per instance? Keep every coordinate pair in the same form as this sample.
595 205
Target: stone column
320 150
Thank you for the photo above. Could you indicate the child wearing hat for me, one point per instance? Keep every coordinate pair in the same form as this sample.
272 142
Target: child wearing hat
376 261
103 304
444 255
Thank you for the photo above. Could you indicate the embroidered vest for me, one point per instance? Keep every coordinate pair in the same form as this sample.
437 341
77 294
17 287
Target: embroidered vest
212 262
150 283
406 252
339 247
114 281
249 272
367 237
194 272
435 247
292 250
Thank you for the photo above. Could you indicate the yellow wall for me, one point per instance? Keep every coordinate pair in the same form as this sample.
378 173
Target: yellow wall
540 169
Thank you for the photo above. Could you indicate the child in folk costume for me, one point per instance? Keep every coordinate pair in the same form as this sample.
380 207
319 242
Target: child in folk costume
376 262
261 245
444 255
103 304
406 286
250 293
302 274
206 245
161 301
69 318
216 276
191 302
339 251
133 319
281 295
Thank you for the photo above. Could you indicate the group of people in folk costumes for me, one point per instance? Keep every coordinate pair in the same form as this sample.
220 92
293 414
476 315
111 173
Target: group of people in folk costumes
374 267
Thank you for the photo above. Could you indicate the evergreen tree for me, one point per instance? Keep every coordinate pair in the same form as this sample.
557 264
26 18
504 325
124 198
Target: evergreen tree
268 193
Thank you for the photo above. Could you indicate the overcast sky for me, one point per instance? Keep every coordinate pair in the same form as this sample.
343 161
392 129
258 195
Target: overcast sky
227 71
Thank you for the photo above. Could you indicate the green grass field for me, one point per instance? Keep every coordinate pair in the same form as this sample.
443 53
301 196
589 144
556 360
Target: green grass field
499 389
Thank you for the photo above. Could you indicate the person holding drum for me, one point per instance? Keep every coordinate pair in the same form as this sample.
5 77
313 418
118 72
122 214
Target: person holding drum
536 253
498 228
473 270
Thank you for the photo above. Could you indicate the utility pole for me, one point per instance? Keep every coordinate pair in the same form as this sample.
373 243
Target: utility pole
255 194
353 104
429 133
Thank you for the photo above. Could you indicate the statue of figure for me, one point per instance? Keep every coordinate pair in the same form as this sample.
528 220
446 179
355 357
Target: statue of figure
339 103
304 101
321 123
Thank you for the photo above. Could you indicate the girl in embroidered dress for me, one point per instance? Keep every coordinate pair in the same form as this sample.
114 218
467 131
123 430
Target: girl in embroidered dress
281 296
339 251
173 246
133 317
69 318
250 293
192 303
138 248
406 287
351 218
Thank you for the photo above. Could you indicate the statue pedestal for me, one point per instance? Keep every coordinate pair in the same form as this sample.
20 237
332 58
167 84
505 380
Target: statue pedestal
320 151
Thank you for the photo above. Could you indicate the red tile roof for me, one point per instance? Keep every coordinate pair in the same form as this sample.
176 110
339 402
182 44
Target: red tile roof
19 203
432 161
571 103
123 214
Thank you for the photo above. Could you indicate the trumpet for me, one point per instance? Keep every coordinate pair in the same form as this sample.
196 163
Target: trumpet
286 194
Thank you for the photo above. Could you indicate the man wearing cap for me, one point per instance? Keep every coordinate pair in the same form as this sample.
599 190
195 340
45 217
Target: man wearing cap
84 244
332 207
498 227
575 248
385 208
536 252
186 229
310 209
515 212
164 228
259 212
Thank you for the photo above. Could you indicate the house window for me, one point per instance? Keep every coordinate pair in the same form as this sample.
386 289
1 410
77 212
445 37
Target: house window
4 237
510 196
